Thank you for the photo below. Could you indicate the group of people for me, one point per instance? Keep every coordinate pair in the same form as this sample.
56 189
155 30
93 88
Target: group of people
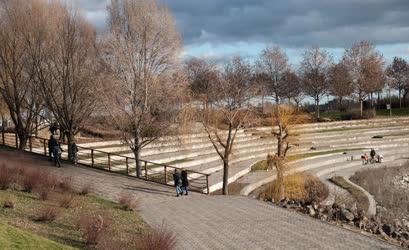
372 158
55 150
181 182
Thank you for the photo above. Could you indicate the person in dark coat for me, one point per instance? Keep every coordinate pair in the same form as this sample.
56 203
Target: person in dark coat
372 154
185 182
74 151
57 150
177 182
52 142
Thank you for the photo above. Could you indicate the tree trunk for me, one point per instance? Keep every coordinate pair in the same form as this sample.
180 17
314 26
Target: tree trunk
400 98
340 103
137 154
22 137
225 177
362 108
280 185
70 141
317 107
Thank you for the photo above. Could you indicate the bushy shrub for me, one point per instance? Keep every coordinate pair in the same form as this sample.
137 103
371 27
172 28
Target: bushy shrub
8 204
127 202
85 190
93 227
299 187
6 176
47 184
67 200
47 214
157 238
66 185
316 190
31 180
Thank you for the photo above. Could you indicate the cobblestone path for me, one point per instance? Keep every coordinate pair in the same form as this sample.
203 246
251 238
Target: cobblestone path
217 222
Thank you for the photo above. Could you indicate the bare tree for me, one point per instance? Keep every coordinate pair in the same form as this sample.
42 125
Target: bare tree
141 52
314 69
69 71
365 66
284 119
232 111
273 63
294 87
17 75
399 70
201 75
340 83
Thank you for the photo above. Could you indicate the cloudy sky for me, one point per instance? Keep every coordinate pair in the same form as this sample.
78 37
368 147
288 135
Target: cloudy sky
222 28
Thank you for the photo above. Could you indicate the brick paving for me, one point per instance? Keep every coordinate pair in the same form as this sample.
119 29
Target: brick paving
217 222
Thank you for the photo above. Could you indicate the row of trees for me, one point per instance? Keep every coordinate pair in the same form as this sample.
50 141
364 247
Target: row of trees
53 61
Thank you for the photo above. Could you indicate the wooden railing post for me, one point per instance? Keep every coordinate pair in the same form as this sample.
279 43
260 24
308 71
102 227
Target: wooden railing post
92 157
207 184
109 162
127 165
45 148
30 144
166 175
146 170
16 140
3 136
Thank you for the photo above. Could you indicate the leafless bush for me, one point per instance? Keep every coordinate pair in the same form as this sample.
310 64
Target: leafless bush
85 190
67 200
316 190
47 214
158 238
8 204
127 202
31 180
93 226
66 185
48 183
6 177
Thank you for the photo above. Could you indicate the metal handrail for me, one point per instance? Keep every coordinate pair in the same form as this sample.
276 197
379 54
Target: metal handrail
166 168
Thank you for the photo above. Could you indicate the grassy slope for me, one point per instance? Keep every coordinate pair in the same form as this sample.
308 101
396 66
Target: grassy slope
13 238
63 229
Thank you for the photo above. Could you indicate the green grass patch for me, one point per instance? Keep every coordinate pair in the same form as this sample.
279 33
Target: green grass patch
14 238
395 112
361 199
260 166
63 229
311 154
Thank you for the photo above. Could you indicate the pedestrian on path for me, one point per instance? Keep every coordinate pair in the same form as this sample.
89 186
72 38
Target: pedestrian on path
185 182
176 180
57 150
372 154
52 142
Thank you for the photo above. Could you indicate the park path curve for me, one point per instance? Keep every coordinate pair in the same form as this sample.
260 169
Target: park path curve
219 222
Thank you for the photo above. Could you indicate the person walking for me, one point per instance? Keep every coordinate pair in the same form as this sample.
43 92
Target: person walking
57 150
372 154
185 182
52 142
177 182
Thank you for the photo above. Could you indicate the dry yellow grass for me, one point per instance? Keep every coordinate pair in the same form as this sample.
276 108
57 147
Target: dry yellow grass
299 187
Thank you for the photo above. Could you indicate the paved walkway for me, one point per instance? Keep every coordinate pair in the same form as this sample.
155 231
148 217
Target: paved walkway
217 222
